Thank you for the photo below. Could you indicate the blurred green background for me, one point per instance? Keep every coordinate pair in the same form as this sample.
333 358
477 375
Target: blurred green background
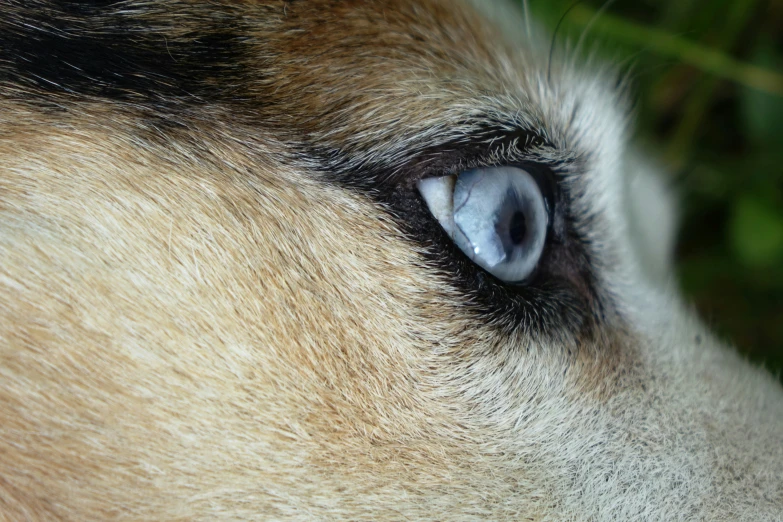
708 76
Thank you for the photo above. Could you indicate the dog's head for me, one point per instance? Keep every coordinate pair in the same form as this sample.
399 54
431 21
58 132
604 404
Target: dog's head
352 259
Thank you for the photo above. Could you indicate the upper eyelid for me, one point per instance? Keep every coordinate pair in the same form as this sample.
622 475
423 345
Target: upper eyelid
492 158
488 148
373 171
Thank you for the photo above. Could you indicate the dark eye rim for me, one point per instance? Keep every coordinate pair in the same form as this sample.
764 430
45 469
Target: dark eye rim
561 295
556 296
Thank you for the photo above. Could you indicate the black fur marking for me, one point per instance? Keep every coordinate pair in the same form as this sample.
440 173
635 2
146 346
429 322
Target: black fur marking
118 51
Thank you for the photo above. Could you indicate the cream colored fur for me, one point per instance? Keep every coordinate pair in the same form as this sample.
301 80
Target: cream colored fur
201 327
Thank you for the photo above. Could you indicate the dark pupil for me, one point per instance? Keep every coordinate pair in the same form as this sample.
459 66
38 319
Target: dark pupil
517 229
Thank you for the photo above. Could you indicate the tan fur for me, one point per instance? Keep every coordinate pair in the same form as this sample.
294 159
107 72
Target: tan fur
196 325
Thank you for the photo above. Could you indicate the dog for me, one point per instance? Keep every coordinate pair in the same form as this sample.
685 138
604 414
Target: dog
347 259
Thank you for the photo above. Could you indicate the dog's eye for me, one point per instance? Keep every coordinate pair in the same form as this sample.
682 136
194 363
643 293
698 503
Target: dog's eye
496 216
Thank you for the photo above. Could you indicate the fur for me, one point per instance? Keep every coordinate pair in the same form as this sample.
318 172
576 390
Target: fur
222 298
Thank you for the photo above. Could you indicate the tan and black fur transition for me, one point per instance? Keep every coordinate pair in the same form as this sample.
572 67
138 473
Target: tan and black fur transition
222 296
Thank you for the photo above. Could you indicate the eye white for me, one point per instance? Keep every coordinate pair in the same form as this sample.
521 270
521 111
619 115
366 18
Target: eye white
496 216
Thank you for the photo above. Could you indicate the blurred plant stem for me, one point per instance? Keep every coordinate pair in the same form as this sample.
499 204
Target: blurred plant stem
672 46
698 102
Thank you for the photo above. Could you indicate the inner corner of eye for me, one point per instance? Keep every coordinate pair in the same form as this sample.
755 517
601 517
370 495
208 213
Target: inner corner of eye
438 193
